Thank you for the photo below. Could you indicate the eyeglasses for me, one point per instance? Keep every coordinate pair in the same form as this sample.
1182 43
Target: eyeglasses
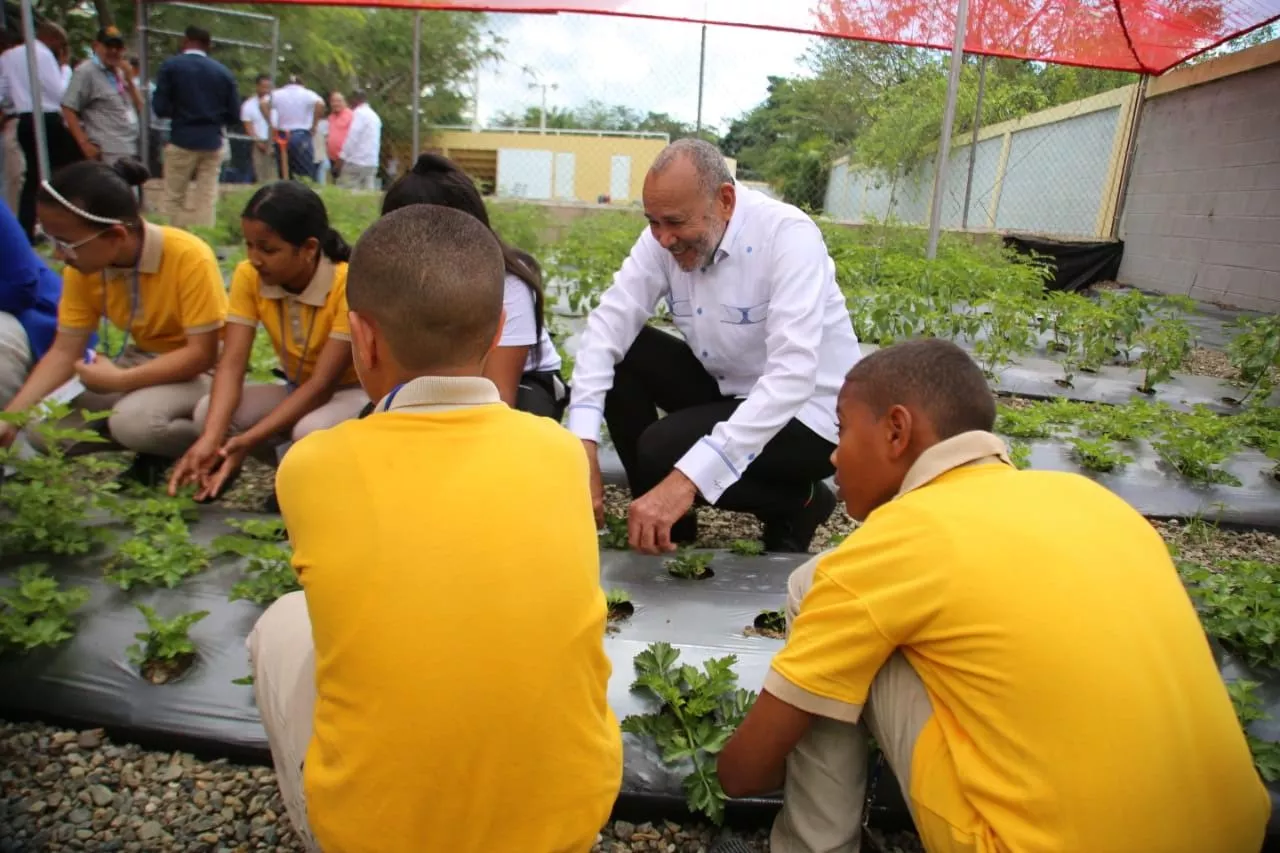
68 250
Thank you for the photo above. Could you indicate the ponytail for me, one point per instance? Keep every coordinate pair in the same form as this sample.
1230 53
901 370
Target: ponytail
335 248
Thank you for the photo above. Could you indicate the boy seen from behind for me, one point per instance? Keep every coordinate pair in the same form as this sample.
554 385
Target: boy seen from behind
450 571
1018 642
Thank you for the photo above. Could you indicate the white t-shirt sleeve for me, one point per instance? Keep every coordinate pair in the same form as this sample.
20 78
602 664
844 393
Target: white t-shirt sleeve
520 328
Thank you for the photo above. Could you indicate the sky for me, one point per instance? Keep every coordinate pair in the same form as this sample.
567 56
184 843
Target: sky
643 64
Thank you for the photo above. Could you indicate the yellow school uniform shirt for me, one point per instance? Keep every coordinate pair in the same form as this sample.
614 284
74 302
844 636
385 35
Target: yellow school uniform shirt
179 292
451 568
299 324
1077 706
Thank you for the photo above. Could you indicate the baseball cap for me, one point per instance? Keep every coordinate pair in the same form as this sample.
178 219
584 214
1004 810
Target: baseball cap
110 36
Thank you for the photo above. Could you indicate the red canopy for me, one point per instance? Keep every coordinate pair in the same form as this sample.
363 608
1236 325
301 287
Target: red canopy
1148 36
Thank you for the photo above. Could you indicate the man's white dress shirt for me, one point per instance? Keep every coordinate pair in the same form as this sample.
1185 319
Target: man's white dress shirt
364 138
16 87
766 320
296 107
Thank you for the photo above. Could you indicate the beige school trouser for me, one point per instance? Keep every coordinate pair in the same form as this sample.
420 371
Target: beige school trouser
257 401
826 780
15 357
181 168
156 420
284 684
266 169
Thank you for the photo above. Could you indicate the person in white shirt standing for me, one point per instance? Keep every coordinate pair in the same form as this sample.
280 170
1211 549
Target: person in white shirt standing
749 392
254 112
358 164
51 43
299 110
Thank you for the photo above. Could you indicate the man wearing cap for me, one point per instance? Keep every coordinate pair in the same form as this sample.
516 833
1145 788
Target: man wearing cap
102 104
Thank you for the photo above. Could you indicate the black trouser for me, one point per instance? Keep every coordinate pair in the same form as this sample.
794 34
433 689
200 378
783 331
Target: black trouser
62 151
661 372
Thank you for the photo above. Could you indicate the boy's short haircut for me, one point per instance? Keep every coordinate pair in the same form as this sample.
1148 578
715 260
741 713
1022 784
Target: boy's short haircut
932 375
432 279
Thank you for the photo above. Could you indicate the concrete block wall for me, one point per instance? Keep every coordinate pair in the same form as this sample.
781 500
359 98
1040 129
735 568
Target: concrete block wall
1202 208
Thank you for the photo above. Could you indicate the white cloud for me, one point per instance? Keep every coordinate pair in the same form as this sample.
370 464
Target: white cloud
642 64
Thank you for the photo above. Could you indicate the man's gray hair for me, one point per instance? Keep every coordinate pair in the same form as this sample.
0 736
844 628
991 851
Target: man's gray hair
708 162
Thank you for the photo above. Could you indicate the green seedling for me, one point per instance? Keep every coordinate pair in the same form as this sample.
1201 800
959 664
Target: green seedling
690 564
160 553
1098 454
1239 603
1249 710
698 711
747 547
1166 344
37 611
1029 422
1020 454
1255 354
268 572
615 536
164 650
771 623
618 602
1195 445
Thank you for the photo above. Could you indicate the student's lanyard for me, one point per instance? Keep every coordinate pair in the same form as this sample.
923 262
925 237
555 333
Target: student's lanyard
391 398
306 344
135 300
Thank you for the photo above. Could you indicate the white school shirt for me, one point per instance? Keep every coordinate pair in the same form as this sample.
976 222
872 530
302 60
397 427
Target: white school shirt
766 319
295 106
520 328
251 111
15 86
364 138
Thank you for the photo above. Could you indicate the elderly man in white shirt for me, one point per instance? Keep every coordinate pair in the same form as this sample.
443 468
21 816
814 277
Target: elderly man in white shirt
357 166
749 392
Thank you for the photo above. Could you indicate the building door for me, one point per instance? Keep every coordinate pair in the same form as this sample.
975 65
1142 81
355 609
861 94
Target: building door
564 174
523 173
620 178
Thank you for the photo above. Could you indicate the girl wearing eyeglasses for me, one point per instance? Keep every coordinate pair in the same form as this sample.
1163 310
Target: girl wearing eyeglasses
294 285
159 287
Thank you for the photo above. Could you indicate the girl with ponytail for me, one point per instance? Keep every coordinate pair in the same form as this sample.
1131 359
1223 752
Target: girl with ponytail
294 284
525 365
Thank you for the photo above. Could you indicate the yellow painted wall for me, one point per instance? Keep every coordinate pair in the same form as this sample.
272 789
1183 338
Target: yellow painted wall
592 154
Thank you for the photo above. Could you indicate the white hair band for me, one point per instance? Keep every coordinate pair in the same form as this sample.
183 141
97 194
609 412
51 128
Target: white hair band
84 214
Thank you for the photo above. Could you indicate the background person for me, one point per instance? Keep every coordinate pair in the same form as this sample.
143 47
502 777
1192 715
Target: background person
750 390
101 105
1067 703
29 293
15 85
159 286
254 113
524 365
389 515
200 98
339 123
358 160
300 111
294 284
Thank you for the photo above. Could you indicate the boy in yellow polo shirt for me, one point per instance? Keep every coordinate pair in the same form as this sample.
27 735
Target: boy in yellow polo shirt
1018 642
454 695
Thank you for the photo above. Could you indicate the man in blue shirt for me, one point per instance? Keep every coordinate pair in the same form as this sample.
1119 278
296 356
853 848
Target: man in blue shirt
200 97
29 293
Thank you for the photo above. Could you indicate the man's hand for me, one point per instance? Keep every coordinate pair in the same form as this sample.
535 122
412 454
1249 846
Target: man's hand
597 484
8 432
195 465
232 457
651 516
102 376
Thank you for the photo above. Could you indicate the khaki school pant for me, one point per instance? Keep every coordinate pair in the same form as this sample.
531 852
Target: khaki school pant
182 167
283 657
15 357
156 420
266 168
258 399
826 780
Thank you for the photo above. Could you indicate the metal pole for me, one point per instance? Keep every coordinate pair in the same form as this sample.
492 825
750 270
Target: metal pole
542 117
973 143
948 122
702 68
417 81
274 65
144 79
33 80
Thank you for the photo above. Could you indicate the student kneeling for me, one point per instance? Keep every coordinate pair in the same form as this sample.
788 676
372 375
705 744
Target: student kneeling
1018 642
295 285
436 702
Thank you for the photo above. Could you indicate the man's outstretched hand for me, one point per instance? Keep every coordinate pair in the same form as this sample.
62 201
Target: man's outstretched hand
652 515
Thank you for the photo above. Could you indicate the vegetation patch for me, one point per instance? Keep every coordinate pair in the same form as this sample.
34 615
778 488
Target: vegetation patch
164 651
690 565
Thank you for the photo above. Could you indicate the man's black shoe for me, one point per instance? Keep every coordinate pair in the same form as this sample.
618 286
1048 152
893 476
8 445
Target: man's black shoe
146 470
793 535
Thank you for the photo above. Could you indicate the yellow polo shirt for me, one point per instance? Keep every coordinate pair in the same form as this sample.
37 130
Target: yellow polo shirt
179 293
299 324
461 677
1076 703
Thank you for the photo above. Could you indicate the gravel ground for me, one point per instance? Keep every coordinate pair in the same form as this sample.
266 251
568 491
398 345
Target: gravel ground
1202 361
